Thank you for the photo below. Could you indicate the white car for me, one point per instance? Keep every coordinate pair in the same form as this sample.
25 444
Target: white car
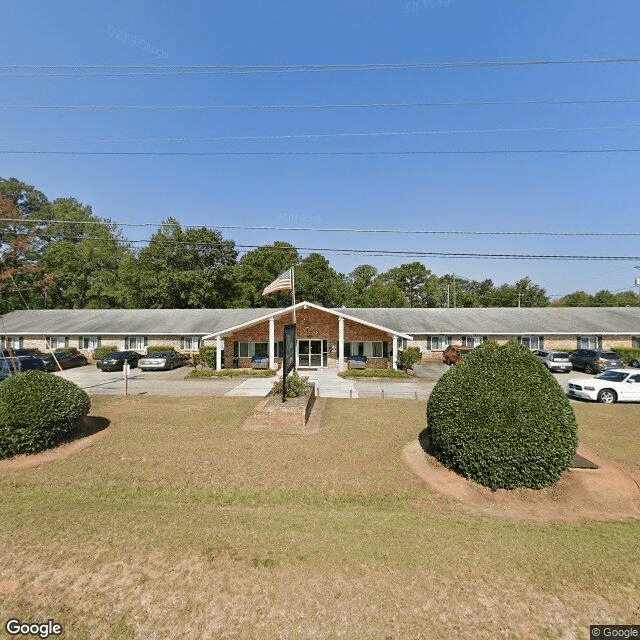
612 385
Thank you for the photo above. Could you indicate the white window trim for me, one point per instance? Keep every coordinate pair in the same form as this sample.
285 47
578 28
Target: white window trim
190 339
443 343
131 347
93 341
592 342
57 342
534 342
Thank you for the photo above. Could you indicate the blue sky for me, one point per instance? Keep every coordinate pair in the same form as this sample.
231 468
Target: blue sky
466 192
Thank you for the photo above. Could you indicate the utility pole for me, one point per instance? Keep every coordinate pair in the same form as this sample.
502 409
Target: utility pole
454 290
448 295
637 281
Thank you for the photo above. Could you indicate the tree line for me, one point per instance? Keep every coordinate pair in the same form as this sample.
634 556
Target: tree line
52 259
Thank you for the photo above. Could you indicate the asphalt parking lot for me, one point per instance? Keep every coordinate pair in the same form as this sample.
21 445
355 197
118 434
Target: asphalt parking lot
173 383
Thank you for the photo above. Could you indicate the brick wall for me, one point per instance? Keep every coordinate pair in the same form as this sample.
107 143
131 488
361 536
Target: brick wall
311 324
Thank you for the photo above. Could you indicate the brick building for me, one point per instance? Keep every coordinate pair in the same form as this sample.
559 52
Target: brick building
325 337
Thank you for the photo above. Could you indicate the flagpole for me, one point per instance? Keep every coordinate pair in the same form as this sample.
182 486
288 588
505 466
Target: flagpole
293 289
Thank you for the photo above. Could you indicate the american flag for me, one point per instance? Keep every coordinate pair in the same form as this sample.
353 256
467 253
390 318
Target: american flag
283 282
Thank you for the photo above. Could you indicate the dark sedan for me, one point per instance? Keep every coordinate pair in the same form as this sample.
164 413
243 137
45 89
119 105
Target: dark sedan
65 360
115 361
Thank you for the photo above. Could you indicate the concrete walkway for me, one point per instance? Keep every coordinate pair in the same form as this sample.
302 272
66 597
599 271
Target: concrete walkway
252 387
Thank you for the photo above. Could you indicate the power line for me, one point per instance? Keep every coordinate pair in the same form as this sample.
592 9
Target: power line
105 70
457 152
367 252
586 234
366 105
348 134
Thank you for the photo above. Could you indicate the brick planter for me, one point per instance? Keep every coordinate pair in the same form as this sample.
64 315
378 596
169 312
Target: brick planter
291 416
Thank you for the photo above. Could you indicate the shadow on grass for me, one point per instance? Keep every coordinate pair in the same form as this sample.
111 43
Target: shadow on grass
425 442
89 427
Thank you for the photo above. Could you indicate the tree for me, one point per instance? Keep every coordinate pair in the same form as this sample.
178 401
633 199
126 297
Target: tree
411 280
365 288
317 282
258 268
22 281
181 269
83 258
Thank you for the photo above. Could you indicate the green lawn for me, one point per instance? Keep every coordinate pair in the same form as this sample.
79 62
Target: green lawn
178 524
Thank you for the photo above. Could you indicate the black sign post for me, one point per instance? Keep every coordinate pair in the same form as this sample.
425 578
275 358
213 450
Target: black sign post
289 355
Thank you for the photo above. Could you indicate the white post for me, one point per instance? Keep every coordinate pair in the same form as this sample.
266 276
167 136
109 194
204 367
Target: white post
218 353
272 345
340 343
395 352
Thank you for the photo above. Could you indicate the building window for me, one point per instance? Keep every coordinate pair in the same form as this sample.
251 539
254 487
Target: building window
57 342
472 341
437 343
589 342
250 349
190 343
368 349
14 341
635 342
532 342
135 342
88 343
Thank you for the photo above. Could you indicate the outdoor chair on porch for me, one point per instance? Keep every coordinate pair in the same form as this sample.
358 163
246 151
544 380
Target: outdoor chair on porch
260 362
357 362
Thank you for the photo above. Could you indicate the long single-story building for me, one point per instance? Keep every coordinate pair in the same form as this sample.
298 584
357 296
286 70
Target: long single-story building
326 337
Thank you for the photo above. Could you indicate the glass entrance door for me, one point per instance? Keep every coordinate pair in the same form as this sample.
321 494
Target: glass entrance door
311 353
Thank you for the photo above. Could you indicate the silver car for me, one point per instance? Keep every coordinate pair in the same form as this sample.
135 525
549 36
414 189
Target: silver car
162 360
554 360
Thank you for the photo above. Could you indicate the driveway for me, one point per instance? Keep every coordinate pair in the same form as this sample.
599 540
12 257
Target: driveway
329 385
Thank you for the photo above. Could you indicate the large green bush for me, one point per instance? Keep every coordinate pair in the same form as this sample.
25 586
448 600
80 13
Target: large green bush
628 354
104 351
159 348
37 410
500 418
208 356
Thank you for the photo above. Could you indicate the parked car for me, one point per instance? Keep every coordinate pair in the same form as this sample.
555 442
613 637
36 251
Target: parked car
595 360
115 361
554 360
635 363
162 360
609 386
66 360
8 366
4 353
455 352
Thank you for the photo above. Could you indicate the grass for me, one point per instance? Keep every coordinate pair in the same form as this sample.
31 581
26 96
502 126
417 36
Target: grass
231 373
373 373
179 524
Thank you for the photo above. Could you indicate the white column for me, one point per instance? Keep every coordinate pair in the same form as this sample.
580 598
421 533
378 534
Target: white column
218 353
340 343
395 352
272 345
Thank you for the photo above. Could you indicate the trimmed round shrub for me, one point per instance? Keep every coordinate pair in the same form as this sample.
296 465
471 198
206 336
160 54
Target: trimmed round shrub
37 411
500 418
